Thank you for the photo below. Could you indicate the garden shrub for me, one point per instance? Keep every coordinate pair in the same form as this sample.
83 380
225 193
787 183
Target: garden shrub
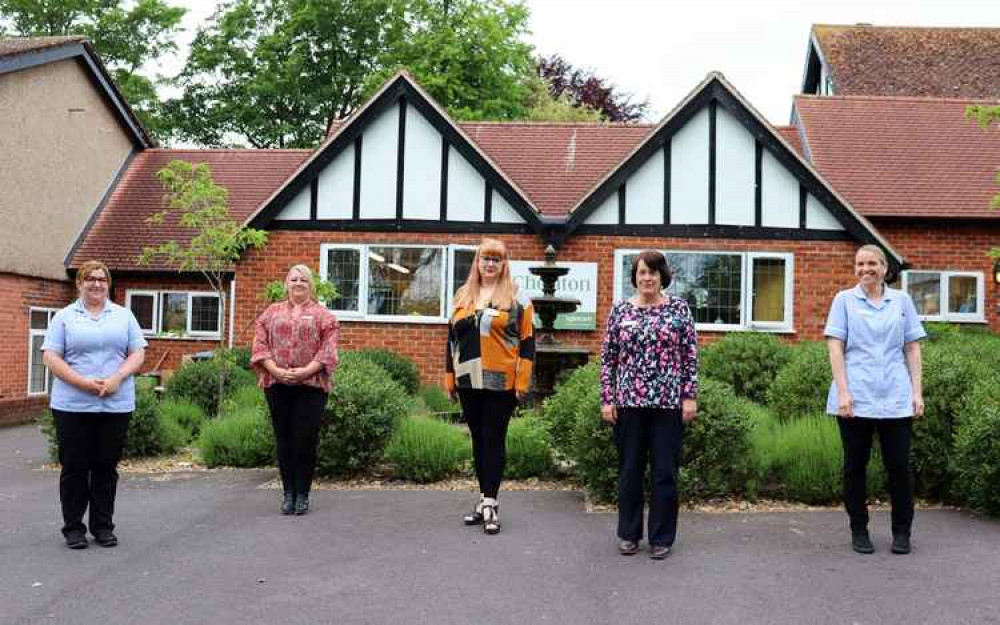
151 433
438 403
716 454
184 412
578 394
362 413
427 450
764 427
241 438
198 381
239 356
801 386
248 396
529 453
592 450
747 361
400 368
976 461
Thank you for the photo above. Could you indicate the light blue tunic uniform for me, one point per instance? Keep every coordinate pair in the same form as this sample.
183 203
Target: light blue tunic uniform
875 364
94 347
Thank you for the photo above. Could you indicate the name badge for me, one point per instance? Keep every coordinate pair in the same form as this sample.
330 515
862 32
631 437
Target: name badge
306 317
491 312
629 323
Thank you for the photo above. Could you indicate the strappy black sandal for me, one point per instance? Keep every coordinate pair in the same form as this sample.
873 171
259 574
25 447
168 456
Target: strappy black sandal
491 520
476 516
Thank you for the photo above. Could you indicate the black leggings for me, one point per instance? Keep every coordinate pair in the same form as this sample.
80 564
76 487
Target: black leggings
488 414
90 446
296 413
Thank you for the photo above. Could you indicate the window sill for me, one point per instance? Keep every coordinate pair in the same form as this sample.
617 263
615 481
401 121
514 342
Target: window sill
156 337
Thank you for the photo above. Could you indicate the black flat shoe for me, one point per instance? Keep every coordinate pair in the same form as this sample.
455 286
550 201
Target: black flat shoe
862 543
901 544
288 504
659 552
628 547
106 538
301 504
76 540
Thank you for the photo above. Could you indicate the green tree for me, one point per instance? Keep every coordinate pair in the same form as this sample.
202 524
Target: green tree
217 240
986 116
541 106
127 35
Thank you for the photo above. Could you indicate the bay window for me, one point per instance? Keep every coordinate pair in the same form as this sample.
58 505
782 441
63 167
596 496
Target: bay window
946 295
176 314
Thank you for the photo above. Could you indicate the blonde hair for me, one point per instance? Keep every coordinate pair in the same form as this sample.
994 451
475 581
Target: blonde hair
306 273
877 251
89 267
505 290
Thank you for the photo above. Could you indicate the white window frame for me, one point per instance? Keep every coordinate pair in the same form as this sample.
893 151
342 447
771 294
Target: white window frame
361 314
157 331
450 288
32 333
943 280
746 292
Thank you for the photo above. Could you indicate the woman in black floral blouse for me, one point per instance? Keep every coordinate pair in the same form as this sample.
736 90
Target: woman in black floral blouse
649 389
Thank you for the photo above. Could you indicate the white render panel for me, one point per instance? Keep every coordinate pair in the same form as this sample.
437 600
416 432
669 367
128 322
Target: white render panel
335 196
378 166
503 212
466 189
689 172
644 192
298 208
818 217
779 196
421 168
734 171
607 212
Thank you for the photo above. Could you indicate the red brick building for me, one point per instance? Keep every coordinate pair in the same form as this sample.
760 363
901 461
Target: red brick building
760 222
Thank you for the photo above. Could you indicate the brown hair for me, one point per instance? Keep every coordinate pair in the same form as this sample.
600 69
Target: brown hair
89 267
657 262
503 294
877 251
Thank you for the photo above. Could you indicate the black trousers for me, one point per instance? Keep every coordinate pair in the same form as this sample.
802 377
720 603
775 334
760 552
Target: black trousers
488 415
894 439
656 434
296 414
90 446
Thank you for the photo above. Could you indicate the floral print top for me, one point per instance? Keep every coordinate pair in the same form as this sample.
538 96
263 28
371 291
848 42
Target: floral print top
294 337
649 357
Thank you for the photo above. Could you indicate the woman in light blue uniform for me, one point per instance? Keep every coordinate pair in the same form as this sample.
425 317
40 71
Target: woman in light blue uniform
93 348
873 335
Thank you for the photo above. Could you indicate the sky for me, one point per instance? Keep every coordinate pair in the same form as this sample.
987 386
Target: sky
661 49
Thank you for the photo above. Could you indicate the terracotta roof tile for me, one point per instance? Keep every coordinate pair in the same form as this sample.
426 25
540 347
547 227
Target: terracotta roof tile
910 61
19 45
120 231
791 135
903 157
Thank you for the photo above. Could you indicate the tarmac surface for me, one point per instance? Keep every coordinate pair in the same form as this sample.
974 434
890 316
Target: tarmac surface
210 547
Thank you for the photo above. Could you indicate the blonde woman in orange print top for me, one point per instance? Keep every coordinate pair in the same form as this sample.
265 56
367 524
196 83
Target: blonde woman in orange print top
490 356
294 355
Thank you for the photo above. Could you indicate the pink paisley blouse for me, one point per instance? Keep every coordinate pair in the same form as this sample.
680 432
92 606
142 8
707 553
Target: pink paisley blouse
294 337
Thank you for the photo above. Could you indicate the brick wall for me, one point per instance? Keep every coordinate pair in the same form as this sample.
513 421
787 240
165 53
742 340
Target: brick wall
17 295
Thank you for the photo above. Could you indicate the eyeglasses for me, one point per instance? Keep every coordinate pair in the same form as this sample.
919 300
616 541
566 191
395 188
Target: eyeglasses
490 260
93 280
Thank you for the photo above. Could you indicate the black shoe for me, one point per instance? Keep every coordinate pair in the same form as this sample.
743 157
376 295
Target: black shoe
106 538
862 543
301 504
901 544
659 552
628 547
288 503
76 540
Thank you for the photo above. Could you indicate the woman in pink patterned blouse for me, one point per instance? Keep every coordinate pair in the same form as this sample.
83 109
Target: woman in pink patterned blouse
294 355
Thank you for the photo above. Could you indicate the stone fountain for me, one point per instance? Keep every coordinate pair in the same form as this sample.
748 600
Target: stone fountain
552 358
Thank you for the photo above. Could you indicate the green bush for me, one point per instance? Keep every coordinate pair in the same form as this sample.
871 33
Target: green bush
427 450
198 381
242 438
577 395
400 368
438 403
716 450
747 361
593 452
764 428
149 432
976 461
801 386
183 412
528 451
248 396
239 356
363 411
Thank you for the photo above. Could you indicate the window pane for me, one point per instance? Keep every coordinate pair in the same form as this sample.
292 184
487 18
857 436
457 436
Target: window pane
39 320
769 289
925 289
204 313
405 281
463 264
142 308
343 271
962 296
625 275
173 313
712 284
38 373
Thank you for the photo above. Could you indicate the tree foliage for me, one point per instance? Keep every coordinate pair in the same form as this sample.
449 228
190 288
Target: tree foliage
584 88
127 36
986 116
